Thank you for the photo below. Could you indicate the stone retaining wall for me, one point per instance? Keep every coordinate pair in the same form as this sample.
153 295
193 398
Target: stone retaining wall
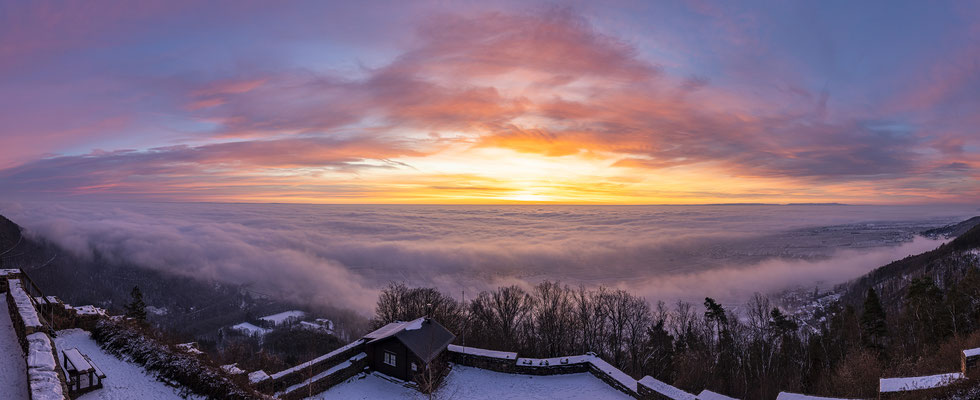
329 381
46 380
554 366
284 379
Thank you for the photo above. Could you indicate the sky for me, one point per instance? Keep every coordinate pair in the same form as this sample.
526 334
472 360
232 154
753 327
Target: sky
618 102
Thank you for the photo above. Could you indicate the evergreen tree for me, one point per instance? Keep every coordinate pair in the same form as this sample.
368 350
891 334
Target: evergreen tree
874 330
136 309
715 313
659 357
780 324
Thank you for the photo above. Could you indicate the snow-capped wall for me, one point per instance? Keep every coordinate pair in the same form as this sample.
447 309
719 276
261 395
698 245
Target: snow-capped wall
43 373
510 363
281 380
21 301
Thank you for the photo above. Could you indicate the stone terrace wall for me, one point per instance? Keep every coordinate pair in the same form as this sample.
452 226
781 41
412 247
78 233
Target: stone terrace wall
333 376
46 379
503 362
281 380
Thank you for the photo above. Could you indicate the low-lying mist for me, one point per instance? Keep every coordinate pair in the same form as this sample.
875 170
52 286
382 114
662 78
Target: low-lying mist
342 255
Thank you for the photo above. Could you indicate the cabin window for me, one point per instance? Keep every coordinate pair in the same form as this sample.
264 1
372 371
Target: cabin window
390 358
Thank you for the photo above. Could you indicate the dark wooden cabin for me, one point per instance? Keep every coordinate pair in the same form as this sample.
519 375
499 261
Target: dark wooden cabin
402 349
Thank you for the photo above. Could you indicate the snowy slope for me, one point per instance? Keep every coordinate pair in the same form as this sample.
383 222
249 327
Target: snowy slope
124 380
13 376
478 384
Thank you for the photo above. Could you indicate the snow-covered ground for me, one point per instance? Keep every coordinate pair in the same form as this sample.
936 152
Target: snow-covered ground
13 370
124 380
474 383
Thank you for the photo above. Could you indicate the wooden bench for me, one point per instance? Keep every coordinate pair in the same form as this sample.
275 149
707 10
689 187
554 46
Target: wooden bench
83 375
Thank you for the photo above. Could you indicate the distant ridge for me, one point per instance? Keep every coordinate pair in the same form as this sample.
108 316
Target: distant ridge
952 230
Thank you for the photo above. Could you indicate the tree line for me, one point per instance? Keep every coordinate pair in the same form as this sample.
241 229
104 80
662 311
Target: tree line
752 354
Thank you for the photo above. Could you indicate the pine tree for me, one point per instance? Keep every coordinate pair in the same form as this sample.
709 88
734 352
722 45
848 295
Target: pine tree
137 308
873 327
780 323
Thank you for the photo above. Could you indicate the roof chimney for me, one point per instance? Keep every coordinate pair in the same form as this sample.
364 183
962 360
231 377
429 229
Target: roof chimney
428 312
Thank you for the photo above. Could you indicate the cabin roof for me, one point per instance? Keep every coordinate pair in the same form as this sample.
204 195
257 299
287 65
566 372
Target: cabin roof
423 336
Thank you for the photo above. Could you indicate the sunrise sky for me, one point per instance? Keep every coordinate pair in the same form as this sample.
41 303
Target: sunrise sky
618 102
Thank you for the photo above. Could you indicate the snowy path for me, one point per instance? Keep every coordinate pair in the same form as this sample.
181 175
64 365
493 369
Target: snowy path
478 384
13 369
124 380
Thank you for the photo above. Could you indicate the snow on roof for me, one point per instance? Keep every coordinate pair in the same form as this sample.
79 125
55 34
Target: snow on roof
324 374
232 369
257 376
917 382
483 352
424 337
288 371
24 305
972 352
249 329
390 329
709 395
44 381
284 316
797 396
664 389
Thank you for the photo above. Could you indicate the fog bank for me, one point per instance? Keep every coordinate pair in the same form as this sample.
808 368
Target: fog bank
342 255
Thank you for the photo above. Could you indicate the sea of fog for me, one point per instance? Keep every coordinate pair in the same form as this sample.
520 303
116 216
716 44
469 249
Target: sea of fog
342 254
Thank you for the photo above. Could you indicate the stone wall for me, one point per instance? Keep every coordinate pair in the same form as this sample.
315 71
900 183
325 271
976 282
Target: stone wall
281 380
541 367
46 379
488 363
332 379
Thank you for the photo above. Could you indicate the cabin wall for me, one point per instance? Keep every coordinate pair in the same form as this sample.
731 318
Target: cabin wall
376 352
